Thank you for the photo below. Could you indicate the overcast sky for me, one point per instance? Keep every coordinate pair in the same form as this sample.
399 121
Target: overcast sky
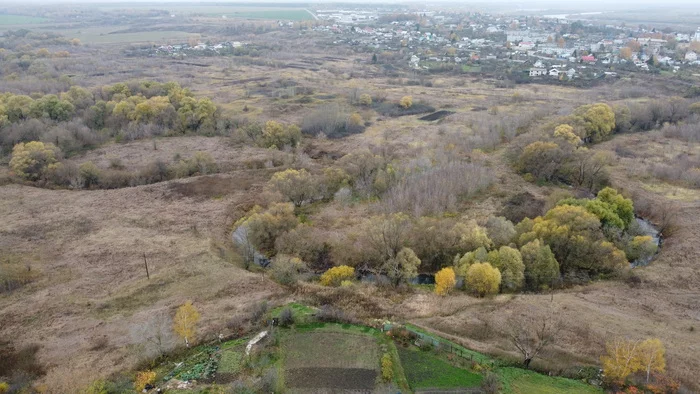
586 5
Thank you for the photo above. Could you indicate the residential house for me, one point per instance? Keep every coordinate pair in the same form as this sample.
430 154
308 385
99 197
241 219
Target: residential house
588 59
537 72
691 56
554 72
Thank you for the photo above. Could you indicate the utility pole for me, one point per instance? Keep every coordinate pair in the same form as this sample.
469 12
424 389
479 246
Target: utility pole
146 264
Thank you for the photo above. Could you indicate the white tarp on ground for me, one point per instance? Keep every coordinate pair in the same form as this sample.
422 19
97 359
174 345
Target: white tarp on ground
253 341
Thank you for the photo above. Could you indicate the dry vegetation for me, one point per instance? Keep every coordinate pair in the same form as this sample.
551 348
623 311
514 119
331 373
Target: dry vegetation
86 248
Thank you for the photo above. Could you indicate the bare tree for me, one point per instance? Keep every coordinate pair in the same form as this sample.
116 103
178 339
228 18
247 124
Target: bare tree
155 334
530 332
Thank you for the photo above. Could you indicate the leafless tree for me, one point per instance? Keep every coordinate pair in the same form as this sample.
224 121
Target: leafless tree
531 332
155 334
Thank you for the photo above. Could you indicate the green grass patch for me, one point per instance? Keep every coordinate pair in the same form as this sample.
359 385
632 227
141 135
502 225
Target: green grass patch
9 19
521 381
231 361
301 312
424 370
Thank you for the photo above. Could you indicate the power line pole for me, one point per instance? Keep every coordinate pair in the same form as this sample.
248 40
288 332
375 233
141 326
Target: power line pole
146 264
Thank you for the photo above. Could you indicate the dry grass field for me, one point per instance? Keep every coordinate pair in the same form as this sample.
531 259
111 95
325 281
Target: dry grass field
88 249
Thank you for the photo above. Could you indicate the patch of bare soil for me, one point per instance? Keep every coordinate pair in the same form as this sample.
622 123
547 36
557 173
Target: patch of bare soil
331 378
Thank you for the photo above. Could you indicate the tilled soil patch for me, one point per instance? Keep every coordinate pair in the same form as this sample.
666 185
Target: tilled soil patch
334 378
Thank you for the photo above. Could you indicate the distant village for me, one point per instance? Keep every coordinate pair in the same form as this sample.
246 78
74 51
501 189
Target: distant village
546 47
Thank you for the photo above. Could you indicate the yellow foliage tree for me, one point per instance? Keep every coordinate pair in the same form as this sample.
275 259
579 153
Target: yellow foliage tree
651 356
406 102
33 159
4 387
566 132
297 186
444 281
365 99
144 378
337 275
355 120
599 120
483 279
277 135
621 359
185 323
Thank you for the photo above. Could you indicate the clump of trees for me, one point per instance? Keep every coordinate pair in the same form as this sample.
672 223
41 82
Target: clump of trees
34 160
625 357
43 164
79 118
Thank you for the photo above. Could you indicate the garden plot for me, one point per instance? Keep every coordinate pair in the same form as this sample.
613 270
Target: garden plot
321 361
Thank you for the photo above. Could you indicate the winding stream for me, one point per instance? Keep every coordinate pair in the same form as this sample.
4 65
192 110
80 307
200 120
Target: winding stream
647 228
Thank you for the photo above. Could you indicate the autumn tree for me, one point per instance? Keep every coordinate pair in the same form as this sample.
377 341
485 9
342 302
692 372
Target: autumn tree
566 133
576 238
472 236
32 160
89 174
621 360
444 281
483 279
264 226
334 179
285 269
599 120
196 115
510 263
143 379
365 99
336 275
185 322
277 135
403 267
650 354
463 263
544 160
363 168
541 267
298 186
436 242
406 102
